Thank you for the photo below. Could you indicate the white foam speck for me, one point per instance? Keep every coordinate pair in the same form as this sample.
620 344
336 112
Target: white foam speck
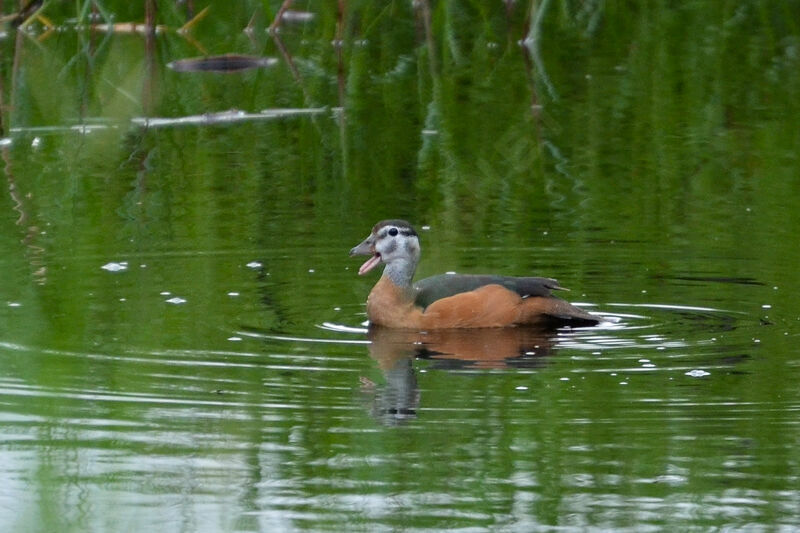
697 373
176 300
253 264
115 267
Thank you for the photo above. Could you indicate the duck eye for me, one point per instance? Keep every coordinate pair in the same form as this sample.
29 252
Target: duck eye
393 232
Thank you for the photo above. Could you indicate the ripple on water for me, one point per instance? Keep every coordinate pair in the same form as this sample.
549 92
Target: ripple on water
330 422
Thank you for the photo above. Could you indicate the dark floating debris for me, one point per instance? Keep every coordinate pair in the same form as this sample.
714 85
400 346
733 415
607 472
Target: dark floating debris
26 12
223 63
713 279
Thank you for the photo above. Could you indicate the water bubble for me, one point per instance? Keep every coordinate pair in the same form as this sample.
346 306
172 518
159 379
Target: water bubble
697 373
253 264
176 300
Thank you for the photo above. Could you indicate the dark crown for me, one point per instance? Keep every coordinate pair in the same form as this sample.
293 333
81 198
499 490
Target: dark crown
404 227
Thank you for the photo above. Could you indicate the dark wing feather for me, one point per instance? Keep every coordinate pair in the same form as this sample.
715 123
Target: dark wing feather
429 290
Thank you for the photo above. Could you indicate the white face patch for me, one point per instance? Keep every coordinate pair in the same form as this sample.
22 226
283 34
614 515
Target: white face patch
402 245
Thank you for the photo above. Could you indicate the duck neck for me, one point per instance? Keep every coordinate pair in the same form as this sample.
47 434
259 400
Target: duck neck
400 273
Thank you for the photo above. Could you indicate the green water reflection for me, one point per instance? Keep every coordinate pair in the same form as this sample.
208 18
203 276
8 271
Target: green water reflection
181 330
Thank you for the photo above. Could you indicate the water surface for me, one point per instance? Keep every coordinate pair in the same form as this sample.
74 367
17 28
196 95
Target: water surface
182 335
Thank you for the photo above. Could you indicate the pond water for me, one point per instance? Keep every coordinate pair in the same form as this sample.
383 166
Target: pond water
183 344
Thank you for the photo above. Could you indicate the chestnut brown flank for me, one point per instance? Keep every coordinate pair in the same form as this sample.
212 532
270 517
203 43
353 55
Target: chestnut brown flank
487 307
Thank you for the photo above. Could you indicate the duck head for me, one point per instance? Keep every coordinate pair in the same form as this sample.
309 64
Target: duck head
395 244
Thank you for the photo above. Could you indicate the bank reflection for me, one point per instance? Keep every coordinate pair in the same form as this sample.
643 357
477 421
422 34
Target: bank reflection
489 348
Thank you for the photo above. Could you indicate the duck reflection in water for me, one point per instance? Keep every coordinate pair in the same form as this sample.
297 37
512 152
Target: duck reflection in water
486 348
